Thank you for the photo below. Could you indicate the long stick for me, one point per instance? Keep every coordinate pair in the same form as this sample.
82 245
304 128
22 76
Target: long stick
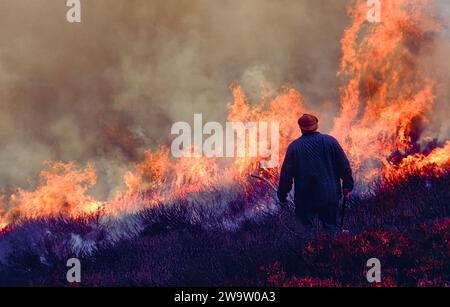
344 204
290 202
265 180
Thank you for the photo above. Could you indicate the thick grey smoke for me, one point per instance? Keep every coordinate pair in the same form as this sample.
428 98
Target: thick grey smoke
104 90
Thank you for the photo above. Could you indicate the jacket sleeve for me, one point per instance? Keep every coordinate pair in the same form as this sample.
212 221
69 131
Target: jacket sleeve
344 169
286 175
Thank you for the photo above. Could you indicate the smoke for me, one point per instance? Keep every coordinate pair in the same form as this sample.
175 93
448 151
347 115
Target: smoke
438 65
104 90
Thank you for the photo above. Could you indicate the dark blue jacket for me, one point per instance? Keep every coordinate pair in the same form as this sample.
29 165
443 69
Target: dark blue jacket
316 164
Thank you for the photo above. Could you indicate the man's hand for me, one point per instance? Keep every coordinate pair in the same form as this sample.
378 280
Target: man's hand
346 194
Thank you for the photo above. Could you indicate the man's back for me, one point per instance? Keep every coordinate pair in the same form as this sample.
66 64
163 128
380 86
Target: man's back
316 163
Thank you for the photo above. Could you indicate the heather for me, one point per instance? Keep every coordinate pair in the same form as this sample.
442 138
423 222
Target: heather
406 225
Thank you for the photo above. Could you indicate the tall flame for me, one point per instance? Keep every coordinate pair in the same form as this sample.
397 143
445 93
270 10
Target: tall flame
389 95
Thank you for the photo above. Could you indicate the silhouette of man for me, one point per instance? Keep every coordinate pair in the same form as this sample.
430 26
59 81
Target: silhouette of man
316 164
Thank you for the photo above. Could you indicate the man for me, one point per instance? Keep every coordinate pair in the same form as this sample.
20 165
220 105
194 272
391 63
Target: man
316 164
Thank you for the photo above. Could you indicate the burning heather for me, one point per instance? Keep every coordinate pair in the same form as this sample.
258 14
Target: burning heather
389 96
388 99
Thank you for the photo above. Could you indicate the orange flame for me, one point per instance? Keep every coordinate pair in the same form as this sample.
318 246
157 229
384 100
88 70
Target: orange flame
389 94
62 191
164 179
437 162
